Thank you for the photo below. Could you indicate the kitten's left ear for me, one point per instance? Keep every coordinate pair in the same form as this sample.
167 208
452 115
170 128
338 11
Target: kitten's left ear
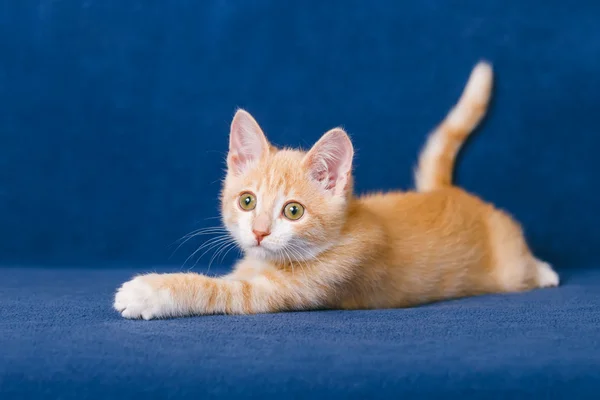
247 142
329 162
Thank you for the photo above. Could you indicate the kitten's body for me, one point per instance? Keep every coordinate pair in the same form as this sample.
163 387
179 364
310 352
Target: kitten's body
377 251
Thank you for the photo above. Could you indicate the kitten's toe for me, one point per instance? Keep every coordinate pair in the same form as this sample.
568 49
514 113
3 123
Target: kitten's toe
119 306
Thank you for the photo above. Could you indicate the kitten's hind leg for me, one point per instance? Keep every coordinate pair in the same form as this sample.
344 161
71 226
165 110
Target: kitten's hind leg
546 276
516 268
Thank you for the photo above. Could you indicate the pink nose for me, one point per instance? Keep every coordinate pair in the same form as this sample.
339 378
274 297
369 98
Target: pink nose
260 235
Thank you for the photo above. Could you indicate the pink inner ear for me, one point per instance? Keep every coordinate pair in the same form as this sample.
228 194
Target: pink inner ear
325 177
237 161
330 160
247 142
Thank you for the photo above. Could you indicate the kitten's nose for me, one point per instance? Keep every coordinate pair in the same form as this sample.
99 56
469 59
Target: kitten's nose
260 235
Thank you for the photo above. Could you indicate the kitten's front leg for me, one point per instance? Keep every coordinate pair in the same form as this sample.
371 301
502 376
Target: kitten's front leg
184 294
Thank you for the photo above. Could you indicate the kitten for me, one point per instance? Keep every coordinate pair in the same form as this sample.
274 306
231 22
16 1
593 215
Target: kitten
309 243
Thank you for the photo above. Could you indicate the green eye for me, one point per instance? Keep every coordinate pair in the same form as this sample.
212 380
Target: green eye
293 211
247 201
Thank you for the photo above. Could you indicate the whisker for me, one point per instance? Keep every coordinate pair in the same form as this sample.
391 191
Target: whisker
213 239
234 245
202 231
222 247
289 258
305 260
227 246
297 254
216 244
319 262
205 232
206 228
211 242
193 236
198 221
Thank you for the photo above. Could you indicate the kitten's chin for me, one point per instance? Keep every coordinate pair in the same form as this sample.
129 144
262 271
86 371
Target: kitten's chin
266 254
261 253
306 253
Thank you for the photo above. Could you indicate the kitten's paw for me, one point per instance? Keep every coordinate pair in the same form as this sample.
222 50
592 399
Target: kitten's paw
143 297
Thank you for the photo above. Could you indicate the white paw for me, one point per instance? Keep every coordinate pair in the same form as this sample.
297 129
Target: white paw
139 299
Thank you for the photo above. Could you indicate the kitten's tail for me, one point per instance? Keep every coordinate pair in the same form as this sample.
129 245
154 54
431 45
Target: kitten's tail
436 161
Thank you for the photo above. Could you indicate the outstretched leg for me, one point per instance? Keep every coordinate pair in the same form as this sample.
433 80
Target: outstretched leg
184 294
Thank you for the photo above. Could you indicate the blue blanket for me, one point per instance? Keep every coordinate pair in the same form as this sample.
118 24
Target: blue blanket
60 339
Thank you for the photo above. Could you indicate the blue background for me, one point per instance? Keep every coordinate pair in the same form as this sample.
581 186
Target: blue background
114 114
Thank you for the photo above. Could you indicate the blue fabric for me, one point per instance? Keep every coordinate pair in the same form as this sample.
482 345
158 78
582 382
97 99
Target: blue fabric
60 339
115 114
114 119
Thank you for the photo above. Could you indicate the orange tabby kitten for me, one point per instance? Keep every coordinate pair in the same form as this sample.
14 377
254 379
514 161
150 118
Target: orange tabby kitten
309 243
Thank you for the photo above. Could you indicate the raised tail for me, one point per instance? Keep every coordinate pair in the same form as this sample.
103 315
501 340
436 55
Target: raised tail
436 161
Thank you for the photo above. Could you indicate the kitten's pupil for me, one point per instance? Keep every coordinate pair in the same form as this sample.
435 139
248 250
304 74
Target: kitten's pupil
294 210
247 200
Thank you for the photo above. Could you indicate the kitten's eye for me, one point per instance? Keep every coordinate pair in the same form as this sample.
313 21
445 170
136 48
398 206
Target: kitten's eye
293 211
247 201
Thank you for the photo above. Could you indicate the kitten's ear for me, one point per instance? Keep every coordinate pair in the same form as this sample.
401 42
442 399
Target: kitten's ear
329 162
247 142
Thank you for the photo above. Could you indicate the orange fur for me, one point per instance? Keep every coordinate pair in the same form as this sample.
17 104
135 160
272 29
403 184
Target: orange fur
436 161
377 251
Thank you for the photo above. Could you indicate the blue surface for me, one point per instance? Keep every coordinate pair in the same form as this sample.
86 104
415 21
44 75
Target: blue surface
60 339
114 119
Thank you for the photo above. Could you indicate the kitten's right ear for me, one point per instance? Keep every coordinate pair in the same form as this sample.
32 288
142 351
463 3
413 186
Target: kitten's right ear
247 142
329 162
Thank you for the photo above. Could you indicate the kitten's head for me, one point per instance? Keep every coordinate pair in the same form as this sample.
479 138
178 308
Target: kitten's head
285 204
